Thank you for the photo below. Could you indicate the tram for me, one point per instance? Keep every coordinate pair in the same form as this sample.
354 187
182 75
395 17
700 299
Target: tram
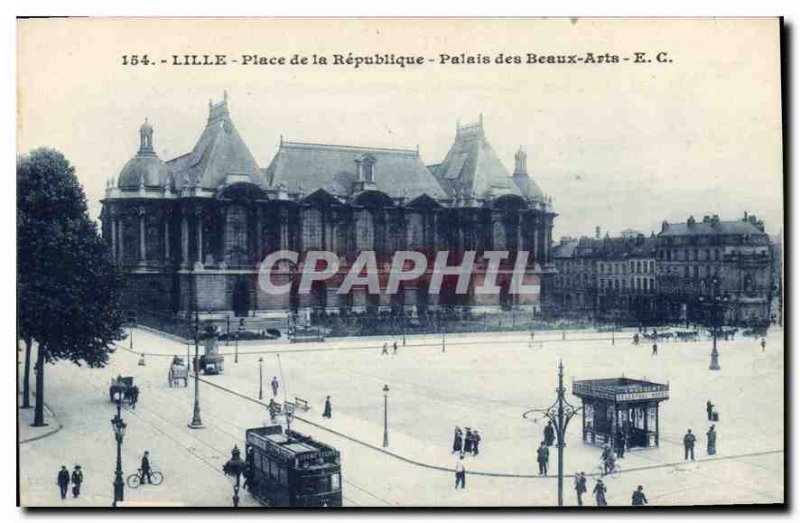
291 469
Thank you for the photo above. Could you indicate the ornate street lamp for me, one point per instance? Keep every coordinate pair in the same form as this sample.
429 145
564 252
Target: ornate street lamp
260 378
196 422
234 467
559 413
716 303
118 425
385 416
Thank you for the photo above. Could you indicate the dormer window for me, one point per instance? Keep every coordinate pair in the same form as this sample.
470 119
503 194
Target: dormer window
366 168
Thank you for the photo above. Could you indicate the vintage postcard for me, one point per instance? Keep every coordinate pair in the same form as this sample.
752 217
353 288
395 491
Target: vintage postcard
400 262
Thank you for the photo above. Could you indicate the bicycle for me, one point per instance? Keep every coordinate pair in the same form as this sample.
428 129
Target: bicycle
134 480
600 470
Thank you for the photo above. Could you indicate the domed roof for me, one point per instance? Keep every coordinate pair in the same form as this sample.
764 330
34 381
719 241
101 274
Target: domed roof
147 167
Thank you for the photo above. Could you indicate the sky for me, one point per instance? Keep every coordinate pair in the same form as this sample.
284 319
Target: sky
615 145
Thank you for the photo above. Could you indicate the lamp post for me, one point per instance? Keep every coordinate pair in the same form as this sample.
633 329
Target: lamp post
196 422
715 303
385 416
118 425
228 330
444 336
559 413
239 332
260 378
234 467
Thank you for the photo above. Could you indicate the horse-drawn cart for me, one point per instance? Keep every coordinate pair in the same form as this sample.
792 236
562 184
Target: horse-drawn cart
122 389
178 371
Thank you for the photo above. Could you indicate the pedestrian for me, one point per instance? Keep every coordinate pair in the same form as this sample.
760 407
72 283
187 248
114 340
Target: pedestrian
77 480
607 458
458 441
763 344
327 412
600 493
655 350
638 498
580 487
543 458
394 348
468 441
145 468
385 350
621 441
688 445
709 409
273 410
134 397
63 481
476 439
461 473
275 385
549 434
711 447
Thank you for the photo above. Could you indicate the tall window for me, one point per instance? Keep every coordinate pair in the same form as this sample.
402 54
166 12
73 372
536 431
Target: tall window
236 235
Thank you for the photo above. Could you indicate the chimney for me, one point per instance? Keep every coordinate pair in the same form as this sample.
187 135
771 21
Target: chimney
664 225
597 232
690 222
745 216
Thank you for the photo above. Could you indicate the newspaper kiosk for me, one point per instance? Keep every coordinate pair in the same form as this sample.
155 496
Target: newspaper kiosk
620 404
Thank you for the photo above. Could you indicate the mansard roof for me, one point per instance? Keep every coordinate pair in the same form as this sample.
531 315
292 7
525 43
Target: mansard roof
307 167
220 153
472 167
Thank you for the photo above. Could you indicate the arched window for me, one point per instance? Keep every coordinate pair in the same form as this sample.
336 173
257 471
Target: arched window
366 168
236 235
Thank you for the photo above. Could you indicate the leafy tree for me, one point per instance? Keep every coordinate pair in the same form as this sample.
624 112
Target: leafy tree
67 284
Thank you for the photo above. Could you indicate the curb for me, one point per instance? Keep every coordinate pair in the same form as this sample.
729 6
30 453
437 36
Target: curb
58 427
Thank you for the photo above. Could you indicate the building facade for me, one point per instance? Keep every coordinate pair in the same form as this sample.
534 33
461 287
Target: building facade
729 262
191 232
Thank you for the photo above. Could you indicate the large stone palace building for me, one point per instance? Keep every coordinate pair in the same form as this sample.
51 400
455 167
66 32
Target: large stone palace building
190 232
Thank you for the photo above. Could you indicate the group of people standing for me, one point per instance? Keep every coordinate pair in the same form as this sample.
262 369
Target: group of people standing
465 443
385 349
64 479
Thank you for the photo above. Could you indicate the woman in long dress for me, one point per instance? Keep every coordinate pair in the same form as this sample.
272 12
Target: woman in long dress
600 493
457 441
327 412
712 441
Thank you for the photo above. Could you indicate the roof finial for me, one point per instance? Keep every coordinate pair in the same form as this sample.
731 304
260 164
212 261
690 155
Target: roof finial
458 124
480 119
225 95
281 139
210 105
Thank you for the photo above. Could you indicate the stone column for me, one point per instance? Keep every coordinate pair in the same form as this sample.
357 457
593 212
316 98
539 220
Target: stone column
259 240
535 238
198 213
284 229
185 238
114 253
166 235
142 243
121 233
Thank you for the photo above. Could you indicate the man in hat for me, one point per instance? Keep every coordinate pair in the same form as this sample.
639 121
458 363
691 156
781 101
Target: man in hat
476 439
709 409
273 410
77 479
385 350
638 498
275 386
543 458
460 472
688 444
580 487
394 348
712 441
63 481
549 434
146 467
